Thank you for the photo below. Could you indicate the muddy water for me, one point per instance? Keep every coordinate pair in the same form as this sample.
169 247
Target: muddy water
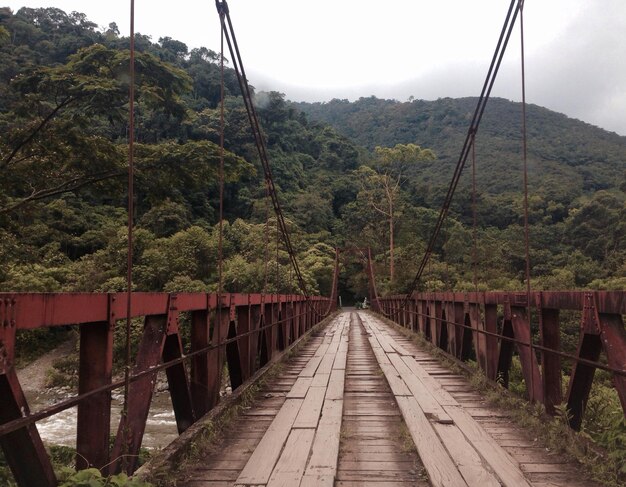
60 429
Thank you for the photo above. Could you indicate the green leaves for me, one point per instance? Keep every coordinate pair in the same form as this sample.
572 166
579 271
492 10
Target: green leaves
92 477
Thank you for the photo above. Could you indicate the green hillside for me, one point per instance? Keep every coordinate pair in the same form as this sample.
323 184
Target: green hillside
63 151
580 156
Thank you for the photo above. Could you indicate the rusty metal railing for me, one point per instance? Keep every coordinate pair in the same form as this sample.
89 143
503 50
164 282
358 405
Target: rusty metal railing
242 331
490 326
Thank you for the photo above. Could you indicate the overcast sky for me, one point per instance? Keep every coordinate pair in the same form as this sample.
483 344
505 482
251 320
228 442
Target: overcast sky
323 49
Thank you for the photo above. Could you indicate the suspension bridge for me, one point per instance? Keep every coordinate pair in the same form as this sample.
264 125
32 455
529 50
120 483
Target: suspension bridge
356 401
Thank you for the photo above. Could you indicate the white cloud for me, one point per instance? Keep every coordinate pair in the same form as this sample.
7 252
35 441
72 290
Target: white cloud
398 48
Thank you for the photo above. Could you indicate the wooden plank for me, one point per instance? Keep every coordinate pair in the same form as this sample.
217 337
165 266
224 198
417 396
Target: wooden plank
427 402
261 463
311 367
399 348
320 380
442 396
340 360
318 481
380 355
467 460
309 414
326 364
300 388
336 385
384 341
398 387
325 451
505 467
290 467
441 469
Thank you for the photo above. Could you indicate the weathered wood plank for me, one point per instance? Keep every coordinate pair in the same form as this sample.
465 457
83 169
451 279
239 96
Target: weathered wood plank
290 467
467 460
300 388
336 385
505 467
320 380
441 469
261 463
427 402
443 397
325 451
398 387
318 481
340 360
309 414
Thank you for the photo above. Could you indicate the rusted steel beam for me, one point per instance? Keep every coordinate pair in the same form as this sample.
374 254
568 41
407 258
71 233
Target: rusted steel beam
581 379
612 302
44 310
460 333
233 357
613 338
439 332
475 321
505 355
217 356
93 421
200 369
550 336
491 341
178 383
245 352
450 330
23 449
133 423
467 339
528 359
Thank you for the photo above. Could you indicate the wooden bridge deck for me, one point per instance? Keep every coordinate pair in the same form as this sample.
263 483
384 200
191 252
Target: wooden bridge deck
362 405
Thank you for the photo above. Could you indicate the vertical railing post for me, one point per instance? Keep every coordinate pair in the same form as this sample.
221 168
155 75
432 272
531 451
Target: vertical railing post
200 369
243 328
93 423
549 334
491 342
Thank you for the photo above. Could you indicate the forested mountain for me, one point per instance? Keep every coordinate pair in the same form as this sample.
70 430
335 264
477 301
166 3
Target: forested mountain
577 172
580 157
370 173
63 111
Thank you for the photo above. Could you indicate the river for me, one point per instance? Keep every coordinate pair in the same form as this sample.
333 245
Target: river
60 429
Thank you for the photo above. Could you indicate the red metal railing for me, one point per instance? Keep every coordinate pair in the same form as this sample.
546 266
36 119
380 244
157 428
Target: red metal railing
489 326
243 331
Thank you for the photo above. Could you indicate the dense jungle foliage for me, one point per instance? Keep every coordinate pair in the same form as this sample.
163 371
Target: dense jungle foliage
370 173
63 110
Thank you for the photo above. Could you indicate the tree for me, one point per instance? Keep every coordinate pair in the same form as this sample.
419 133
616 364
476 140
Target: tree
59 132
382 183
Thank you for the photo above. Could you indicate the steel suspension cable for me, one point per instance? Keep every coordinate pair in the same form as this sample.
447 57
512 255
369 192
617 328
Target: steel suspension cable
278 280
267 239
231 40
526 226
492 73
474 219
129 241
220 245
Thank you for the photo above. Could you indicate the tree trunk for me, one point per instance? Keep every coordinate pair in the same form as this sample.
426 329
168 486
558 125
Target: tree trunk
391 260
